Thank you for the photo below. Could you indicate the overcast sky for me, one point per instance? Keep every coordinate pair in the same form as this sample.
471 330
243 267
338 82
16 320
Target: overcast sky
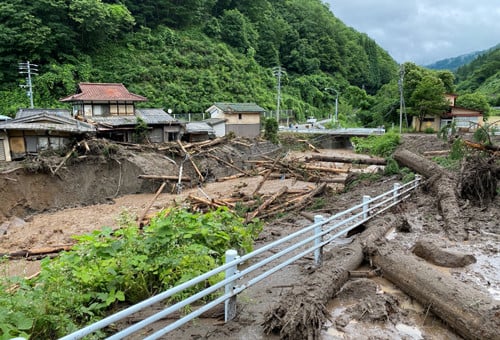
424 31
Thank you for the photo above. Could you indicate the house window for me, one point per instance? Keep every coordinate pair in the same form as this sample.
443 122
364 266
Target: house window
240 116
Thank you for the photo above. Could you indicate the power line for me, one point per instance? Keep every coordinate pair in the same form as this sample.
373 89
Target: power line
29 69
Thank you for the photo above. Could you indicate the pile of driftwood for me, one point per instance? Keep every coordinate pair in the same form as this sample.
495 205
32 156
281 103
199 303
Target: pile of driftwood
464 307
260 205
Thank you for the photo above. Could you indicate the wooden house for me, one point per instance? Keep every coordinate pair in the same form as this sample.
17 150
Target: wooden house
243 119
111 108
464 119
36 130
103 100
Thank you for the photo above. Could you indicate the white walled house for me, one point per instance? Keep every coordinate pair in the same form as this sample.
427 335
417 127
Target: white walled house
242 119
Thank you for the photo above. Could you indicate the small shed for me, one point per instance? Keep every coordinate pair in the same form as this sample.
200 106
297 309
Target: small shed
33 131
198 132
243 119
218 124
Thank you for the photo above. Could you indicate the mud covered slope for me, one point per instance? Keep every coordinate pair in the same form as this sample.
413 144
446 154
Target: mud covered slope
104 170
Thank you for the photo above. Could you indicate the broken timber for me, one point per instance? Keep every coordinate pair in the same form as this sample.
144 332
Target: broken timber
442 182
338 159
165 178
472 313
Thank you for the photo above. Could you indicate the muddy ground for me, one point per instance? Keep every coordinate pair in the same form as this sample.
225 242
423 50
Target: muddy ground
42 209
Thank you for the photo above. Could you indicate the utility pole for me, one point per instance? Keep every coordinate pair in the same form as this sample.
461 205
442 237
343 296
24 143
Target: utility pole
278 72
29 69
401 97
336 104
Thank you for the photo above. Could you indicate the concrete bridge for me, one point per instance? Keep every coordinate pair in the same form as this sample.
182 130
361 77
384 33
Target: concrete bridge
338 138
345 132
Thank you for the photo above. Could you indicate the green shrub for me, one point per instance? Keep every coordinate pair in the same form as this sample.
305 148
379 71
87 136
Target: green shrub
109 268
383 145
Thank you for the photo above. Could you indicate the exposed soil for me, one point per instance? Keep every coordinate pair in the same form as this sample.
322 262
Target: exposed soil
40 209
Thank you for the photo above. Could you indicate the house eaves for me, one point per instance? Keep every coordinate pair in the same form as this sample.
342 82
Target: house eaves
96 92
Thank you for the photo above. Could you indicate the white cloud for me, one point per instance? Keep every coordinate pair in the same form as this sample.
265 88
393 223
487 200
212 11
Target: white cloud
424 31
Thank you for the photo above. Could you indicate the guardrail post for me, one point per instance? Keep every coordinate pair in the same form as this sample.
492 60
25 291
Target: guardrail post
418 178
230 304
366 206
318 252
395 193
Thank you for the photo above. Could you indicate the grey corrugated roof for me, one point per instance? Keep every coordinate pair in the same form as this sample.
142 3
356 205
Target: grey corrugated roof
214 121
198 127
239 107
31 112
116 120
156 116
46 121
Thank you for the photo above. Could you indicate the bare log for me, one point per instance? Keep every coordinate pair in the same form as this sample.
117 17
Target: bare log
296 202
309 144
339 159
267 203
191 160
443 183
472 313
222 179
418 163
301 312
158 192
265 177
320 168
165 178
36 252
436 153
431 252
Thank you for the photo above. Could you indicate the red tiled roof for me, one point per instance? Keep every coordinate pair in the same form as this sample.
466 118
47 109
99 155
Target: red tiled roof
103 92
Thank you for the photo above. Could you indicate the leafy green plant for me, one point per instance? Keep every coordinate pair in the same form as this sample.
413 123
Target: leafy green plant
140 130
108 268
383 145
271 130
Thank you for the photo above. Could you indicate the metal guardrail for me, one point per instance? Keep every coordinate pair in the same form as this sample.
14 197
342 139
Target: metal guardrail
308 240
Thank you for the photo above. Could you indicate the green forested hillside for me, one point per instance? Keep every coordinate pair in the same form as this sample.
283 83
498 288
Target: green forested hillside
187 54
482 75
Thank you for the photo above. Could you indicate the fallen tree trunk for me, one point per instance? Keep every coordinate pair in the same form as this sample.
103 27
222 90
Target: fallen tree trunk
431 252
320 168
418 163
301 312
36 252
472 313
443 184
339 159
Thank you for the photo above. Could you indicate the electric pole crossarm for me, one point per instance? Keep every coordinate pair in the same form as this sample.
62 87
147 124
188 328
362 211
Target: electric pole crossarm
29 69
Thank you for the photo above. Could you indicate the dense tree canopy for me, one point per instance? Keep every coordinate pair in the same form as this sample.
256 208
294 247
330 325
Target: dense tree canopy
482 75
187 54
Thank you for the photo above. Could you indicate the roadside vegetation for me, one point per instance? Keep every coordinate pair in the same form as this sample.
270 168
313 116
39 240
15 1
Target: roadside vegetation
110 269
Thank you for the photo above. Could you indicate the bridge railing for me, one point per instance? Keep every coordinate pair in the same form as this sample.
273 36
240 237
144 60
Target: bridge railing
308 240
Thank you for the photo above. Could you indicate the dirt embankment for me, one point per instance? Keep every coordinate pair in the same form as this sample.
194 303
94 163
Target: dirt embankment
107 171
